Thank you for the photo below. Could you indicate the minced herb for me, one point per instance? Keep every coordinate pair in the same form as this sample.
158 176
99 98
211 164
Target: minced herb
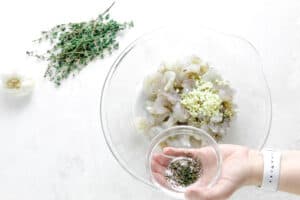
74 45
183 171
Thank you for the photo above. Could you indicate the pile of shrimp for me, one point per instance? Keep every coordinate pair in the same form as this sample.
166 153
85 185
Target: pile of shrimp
163 92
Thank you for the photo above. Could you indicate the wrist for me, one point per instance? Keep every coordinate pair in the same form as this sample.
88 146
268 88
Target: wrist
256 170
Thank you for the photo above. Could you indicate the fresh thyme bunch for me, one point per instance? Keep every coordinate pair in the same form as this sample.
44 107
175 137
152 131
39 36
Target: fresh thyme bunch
74 45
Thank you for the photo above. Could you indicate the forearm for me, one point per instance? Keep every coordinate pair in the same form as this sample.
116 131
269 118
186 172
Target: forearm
290 172
289 180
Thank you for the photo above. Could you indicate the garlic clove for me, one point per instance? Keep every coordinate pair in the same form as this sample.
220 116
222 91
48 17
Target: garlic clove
16 84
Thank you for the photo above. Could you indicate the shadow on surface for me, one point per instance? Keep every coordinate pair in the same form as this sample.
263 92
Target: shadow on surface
11 102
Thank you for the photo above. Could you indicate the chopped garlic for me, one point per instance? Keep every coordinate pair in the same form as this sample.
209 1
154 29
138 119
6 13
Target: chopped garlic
203 99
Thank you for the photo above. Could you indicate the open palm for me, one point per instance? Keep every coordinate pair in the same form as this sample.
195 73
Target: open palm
236 171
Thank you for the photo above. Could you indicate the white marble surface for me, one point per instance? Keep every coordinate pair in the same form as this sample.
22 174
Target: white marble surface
51 146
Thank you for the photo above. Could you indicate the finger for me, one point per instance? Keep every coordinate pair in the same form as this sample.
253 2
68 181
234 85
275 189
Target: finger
157 167
171 151
160 179
189 152
222 190
161 159
208 154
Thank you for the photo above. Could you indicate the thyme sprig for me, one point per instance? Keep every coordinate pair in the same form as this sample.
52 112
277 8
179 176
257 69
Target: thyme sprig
75 45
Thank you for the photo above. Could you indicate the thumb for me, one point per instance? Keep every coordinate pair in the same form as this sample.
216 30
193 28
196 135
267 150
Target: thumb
222 190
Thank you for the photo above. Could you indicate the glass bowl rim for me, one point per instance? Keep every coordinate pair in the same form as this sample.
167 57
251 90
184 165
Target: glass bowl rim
127 50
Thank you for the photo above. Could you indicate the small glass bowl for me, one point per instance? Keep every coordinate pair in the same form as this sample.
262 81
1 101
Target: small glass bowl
182 143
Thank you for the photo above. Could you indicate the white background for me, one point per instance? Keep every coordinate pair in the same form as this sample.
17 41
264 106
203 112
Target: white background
51 146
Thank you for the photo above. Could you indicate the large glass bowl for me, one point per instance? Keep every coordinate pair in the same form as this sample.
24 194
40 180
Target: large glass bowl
233 57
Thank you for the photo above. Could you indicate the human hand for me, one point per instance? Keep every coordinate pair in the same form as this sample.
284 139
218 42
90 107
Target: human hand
241 166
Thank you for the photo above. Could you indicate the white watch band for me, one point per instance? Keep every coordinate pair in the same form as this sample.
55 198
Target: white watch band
272 162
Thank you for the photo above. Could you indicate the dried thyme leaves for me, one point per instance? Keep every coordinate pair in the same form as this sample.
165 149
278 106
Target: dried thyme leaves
183 171
75 45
